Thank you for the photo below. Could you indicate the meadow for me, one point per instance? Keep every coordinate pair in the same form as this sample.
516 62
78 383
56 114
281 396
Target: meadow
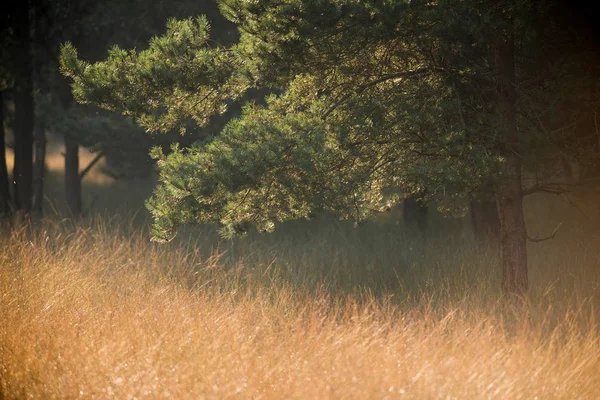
317 309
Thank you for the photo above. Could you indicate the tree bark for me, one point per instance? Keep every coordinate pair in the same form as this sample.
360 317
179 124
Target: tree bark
72 181
39 167
513 235
24 112
4 187
72 178
509 196
415 212
485 220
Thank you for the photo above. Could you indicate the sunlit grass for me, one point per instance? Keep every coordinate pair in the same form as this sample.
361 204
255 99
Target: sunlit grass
316 310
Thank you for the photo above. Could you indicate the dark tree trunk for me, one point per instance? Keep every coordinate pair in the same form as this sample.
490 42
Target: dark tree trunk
72 181
72 178
24 111
415 212
485 220
4 188
39 167
513 236
509 196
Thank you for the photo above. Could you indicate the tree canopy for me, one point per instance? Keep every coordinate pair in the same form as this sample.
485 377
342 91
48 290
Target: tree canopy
368 96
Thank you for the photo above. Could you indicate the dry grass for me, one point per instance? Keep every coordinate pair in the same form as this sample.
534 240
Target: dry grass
100 312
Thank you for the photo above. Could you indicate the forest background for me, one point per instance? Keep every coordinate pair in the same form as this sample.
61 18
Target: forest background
412 301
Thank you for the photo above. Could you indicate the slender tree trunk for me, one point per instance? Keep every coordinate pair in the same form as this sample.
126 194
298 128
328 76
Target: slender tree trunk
415 212
39 167
485 220
4 187
24 111
72 181
72 178
509 196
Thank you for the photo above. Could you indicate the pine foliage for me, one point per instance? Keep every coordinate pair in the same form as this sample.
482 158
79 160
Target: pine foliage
369 97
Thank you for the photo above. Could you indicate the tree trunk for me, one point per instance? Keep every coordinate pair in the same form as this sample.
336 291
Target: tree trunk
39 167
72 181
509 196
24 111
513 236
415 212
4 188
485 220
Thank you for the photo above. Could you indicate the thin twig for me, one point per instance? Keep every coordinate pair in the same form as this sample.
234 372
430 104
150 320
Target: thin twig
536 240
557 188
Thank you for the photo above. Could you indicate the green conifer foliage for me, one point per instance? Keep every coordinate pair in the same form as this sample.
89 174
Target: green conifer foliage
370 96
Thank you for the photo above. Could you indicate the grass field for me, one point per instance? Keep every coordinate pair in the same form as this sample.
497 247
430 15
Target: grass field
315 310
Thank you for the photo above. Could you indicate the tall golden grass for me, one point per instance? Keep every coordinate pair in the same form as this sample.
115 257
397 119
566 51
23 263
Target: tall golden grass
316 310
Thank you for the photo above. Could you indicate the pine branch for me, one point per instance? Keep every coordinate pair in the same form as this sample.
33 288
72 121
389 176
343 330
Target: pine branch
365 86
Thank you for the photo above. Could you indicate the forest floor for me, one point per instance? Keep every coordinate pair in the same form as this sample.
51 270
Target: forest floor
318 309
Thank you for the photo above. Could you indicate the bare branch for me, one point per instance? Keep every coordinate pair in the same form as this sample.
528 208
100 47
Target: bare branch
556 187
545 188
536 240
91 165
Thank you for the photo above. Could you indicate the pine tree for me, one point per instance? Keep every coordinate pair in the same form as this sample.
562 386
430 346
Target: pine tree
370 96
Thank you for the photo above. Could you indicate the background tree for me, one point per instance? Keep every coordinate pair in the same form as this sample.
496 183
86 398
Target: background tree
19 27
373 95
40 26
102 26
5 203
6 82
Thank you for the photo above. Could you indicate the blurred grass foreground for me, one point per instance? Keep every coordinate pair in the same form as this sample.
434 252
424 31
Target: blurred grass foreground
316 310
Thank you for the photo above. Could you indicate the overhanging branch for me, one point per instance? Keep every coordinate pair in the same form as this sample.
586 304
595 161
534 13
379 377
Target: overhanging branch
360 89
